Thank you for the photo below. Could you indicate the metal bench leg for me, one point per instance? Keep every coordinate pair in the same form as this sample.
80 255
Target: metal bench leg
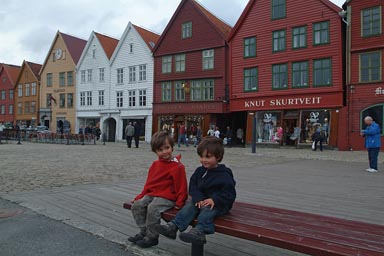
197 250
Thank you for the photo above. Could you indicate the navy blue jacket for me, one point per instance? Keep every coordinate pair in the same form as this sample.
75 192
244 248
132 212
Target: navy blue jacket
217 183
372 136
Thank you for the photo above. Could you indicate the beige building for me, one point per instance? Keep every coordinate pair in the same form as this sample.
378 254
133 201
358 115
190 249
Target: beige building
58 83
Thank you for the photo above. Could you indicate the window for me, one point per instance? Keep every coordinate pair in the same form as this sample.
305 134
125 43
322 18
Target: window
299 37
27 90
3 109
250 79
20 90
89 77
89 98
10 109
101 98
208 59
280 76
82 98
101 74
33 89
279 40
132 74
321 33
26 107
370 67
62 100
94 53
62 79
186 30
120 76
300 74
376 112
11 93
69 78
278 9
49 79
119 99
19 108
167 64
202 90
3 94
82 76
166 91
180 62
250 47
132 98
143 73
322 72
142 98
130 48
179 91
371 21
69 100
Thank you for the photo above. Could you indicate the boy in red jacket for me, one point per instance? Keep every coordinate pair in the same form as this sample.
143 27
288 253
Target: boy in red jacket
166 187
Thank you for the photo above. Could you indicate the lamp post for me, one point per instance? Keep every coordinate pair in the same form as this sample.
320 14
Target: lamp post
253 132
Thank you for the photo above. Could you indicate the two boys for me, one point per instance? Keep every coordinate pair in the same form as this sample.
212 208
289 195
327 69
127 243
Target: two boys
211 188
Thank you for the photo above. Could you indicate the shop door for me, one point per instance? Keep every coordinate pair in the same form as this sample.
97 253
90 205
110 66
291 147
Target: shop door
289 128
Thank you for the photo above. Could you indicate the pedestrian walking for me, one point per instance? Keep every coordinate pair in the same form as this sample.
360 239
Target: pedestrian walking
372 142
81 134
18 135
182 135
228 136
129 133
318 136
199 134
136 136
1 131
165 188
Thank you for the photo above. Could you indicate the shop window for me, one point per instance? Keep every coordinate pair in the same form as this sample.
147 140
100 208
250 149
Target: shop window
376 112
267 126
310 120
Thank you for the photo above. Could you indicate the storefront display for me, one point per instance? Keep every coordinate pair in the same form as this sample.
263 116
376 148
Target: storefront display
267 126
310 119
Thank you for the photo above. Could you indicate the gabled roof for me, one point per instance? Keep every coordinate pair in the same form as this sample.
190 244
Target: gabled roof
12 71
108 43
149 37
74 45
223 28
35 68
250 4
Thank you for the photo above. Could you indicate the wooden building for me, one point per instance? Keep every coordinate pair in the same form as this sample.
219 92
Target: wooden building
287 70
364 72
27 92
8 78
191 78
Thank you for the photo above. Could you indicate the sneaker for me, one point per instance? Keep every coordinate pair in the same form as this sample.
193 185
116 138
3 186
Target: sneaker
368 170
168 230
194 236
136 238
147 242
372 170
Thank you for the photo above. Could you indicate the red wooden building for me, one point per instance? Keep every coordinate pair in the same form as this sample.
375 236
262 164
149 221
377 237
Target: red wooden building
8 77
287 70
364 72
190 78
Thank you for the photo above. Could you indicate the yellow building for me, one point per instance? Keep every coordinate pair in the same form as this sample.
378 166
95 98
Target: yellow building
58 83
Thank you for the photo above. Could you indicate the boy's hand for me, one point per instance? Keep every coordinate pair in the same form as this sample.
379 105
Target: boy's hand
206 202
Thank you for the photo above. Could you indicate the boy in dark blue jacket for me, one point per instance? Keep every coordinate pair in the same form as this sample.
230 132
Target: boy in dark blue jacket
212 192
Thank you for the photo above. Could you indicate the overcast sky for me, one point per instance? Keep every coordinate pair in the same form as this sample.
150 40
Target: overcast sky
27 28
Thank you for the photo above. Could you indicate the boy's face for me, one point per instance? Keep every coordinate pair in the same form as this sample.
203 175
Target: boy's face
209 161
165 151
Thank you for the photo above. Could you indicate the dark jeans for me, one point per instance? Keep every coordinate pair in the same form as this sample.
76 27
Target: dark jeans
205 217
182 138
129 141
137 139
373 154
321 144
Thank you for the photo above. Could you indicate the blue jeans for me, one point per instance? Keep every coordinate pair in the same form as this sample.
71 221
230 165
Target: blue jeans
182 138
205 217
373 154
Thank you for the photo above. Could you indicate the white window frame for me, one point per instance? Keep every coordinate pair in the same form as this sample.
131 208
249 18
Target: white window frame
209 59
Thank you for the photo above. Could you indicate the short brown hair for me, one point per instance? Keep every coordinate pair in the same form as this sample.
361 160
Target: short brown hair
213 146
159 139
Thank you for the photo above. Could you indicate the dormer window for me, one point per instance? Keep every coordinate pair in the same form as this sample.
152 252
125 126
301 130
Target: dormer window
131 48
186 30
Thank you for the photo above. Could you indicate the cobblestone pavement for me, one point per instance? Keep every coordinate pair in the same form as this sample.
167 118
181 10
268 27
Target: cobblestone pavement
37 165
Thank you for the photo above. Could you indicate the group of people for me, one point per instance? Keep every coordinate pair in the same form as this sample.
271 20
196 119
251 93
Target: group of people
132 131
211 189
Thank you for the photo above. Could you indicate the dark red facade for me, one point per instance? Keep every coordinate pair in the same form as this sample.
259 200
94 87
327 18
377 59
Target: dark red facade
8 78
208 33
296 109
364 72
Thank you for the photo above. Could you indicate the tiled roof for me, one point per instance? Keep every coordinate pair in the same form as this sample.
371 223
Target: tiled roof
74 45
35 68
13 72
221 25
108 43
149 37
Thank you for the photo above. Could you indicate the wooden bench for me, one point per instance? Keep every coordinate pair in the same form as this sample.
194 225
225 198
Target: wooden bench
296 231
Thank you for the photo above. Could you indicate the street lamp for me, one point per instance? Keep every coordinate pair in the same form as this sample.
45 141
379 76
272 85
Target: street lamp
253 132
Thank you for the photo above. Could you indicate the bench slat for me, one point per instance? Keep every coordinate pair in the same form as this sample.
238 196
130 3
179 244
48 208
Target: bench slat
297 231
